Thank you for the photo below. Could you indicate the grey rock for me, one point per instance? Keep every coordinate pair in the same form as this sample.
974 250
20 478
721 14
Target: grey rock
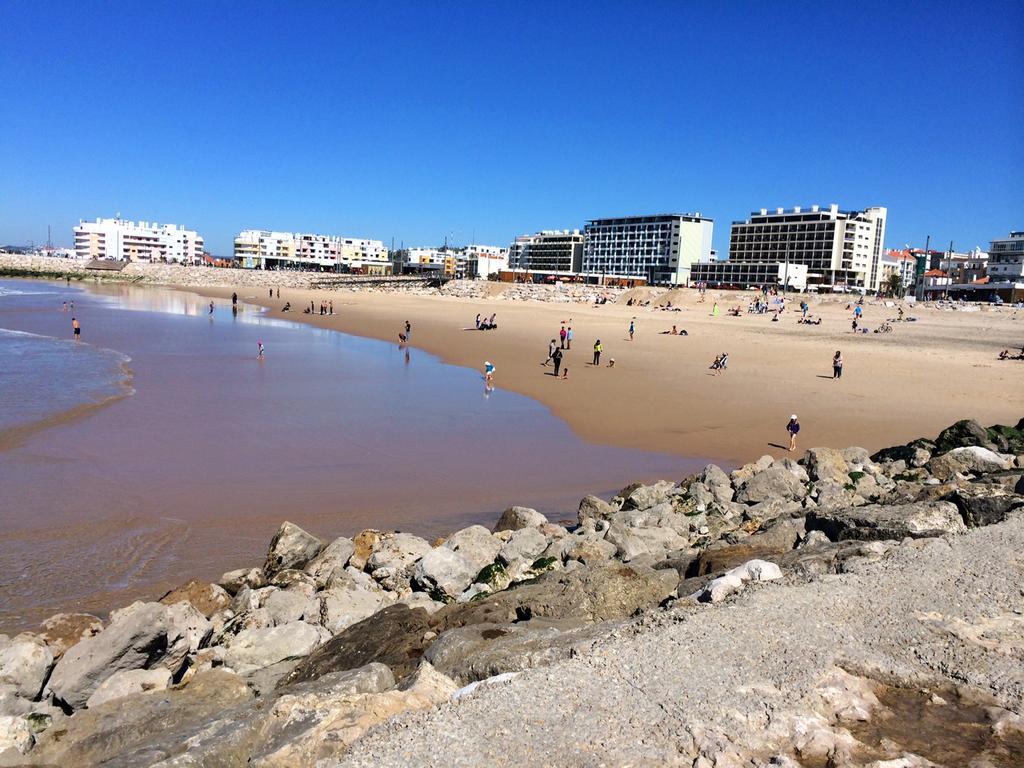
15 735
284 606
234 581
24 665
985 505
476 544
643 497
204 597
771 483
397 551
524 544
639 532
345 603
334 557
64 630
515 518
826 464
129 682
875 522
447 573
11 703
593 508
135 638
291 547
588 549
253 649
969 460
187 631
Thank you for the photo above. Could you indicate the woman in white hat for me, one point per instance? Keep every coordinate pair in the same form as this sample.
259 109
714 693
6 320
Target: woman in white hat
794 429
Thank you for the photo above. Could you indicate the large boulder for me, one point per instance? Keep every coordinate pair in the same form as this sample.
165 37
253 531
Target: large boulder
204 597
24 665
595 509
876 522
143 729
253 649
235 581
964 461
187 632
63 630
777 538
646 496
397 551
291 547
346 602
129 682
985 504
962 434
284 606
333 558
771 483
648 532
524 544
15 735
826 464
476 544
445 574
135 638
734 580
515 518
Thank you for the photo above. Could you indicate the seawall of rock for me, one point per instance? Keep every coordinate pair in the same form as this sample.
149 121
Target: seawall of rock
291 661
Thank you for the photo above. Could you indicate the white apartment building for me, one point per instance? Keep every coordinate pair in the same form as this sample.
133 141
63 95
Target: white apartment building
137 241
839 248
550 250
264 249
661 248
1006 259
482 261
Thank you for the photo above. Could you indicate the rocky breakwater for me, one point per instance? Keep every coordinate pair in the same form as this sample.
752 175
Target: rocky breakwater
291 662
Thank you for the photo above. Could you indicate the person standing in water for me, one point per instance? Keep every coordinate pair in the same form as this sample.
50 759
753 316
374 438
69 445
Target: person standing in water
76 328
408 330
259 344
488 372
837 365
234 299
211 308
793 428
597 352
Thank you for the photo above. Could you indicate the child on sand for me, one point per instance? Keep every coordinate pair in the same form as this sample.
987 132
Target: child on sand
837 365
632 330
488 371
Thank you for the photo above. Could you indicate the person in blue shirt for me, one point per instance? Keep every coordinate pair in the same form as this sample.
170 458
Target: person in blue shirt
794 429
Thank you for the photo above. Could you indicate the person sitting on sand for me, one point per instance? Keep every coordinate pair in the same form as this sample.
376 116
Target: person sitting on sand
565 373
402 338
611 363
673 332
1004 355
719 364
287 307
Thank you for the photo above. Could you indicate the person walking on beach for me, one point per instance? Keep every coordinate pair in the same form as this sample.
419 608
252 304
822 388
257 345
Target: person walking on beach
632 330
408 330
234 299
561 336
488 371
837 365
259 345
271 293
478 321
714 310
597 352
793 428
76 328
557 357
552 346
568 338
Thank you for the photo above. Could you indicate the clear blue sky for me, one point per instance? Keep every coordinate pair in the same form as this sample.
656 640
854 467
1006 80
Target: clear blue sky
427 119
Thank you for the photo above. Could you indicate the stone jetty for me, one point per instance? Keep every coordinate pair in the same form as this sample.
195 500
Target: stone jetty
840 609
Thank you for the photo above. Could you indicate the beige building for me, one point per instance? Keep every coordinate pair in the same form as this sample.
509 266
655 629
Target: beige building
264 249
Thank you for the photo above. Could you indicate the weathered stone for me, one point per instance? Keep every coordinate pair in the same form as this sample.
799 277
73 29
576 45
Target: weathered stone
204 597
135 638
826 464
234 581
775 539
344 603
966 432
129 682
253 649
284 606
187 632
476 544
733 580
593 508
771 483
143 729
524 544
64 630
445 573
984 505
643 497
291 547
655 531
289 578
11 703
24 664
421 600
397 551
515 518
15 734
364 543
874 521
589 549
829 495
914 455
969 460
334 557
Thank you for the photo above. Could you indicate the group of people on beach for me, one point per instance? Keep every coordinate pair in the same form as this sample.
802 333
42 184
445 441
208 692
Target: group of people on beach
485 323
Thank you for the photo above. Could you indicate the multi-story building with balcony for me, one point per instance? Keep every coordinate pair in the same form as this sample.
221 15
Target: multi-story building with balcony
661 248
1006 259
549 251
263 249
839 248
137 241
482 261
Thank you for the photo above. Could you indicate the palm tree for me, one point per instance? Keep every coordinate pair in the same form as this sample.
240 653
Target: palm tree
894 285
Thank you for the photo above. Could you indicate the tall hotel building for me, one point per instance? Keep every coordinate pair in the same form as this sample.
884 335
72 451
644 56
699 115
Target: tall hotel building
837 248
262 249
661 248
137 241
548 251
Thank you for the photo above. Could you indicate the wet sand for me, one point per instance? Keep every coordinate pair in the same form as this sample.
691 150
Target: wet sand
661 396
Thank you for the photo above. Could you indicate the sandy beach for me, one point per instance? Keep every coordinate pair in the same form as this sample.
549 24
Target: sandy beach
661 394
